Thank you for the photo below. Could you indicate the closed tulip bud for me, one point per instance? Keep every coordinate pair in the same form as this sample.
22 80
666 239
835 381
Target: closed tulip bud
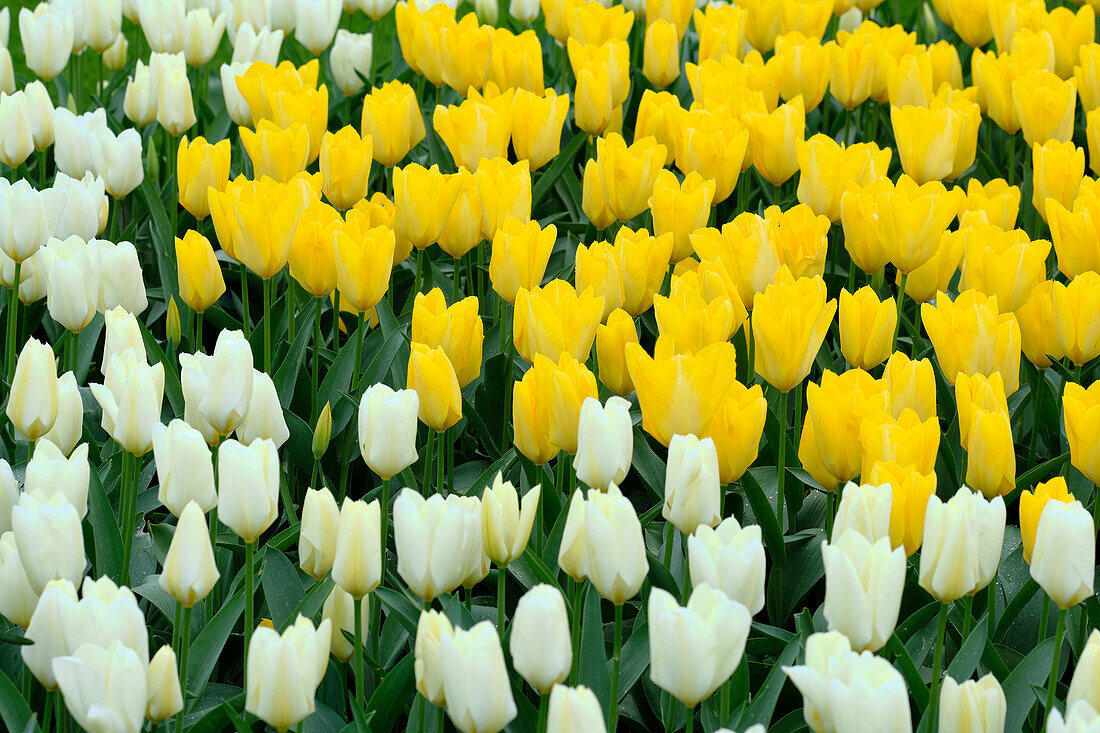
357 564
866 327
505 523
731 559
103 684
996 199
661 60
694 649
1045 105
555 320
680 208
1007 265
139 103
201 166
387 429
318 539
175 111
265 414
9 495
773 140
643 260
49 472
1076 314
531 412
458 330
1082 417
692 493
32 403
789 320
164 697
520 253
916 217
433 378
863 585
49 538
605 442
351 57
615 552
200 276
57 627
909 80
23 234
865 510
189 569
18 598
345 167
707 143
971 336
503 191
283 672
1070 229
1038 327
974 706
540 646
130 397
628 173
1064 554
391 117
905 440
612 339
70 284
47 36
431 629
312 257
315 23
597 271
218 388
1085 685
574 708
1058 168
339 610
962 544
476 654
420 219
536 125
248 486
594 200
14 122
185 468
434 538
927 141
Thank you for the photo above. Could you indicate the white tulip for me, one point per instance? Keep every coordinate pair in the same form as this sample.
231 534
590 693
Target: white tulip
387 429
131 397
248 486
863 586
185 467
50 472
605 442
475 680
692 491
1063 558
542 652
731 559
50 539
17 598
265 413
864 509
975 706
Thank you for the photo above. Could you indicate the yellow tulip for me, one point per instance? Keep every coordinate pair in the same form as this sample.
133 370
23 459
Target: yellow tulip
474 130
433 378
536 125
746 251
946 67
201 166
266 223
611 57
595 23
977 393
628 172
927 141
555 320
345 167
912 386
467 48
835 410
593 199
531 414
680 393
721 30
312 255
457 330
972 336
851 69
363 263
692 323
1071 32
463 229
379 211
597 269
612 339
1035 45
709 144
277 153
1038 329
866 327
391 118
907 440
1032 505
505 191
805 68
773 139
1057 170
1077 315
1005 264
801 238
569 385
935 275
516 61
999 201
914 218
419 218
1092 139
994 76
593 103
1082 415
756 84
1074 232
421 38
308 107
558 15
1087 76
790 319
643 260
864 228
661 57
991 455
736 429
909 80
1045 106
679 208
763 18
519 256
827 167
910 491
675 12
200 275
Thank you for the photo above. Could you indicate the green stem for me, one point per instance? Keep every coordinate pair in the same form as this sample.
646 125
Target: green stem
575 630
129 488
360 328
690 727
360 672
500 601
247 319
724 701
616 660
176 629
185 648
314 407
781 465
991 606
1059 633
543 711
901 303
249 592
670 537
198 333
291 308
937 659
13 322
335 320
1011 159
968 615
425 485
267 324
385 517
440 461
1044 613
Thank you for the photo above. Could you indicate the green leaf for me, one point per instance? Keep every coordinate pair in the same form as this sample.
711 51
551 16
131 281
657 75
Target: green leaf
282 587
314 598
108 542
14 710
388 701
970 653
561 163
765 516
592 668
1033 670
210 642
762 707
287 374
649 466
173 390
150 589
659 575
908 668
399 604
1021 599
161 234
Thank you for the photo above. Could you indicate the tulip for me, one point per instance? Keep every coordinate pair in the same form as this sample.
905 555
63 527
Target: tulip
139 103
363 264
612 339
1057 171
18 138
915 218
17 598
350 60
593 100
201 166
130 397
1079 717
391 117
692 494
554 320
731 559
1075 315
1038 328
962 544
317 540
597 271
219 386
1084 685
49 472
680 208
864 510
1045 105
431 629
387 429
175 111
709 144
805 68
248 486
189 569
744 253
1082 418
1006 265
312 257
315 23
692 323
574 708
975 705
277 153
47 36
540 646
33 402
1063 555
457 330
21 236
200 276
520 253
928 141
357 564
505 522
834 418
283 672
117 159
531 412
661 59
605 442
345 167
419 219
593 198
185 468
266 218
162 684
202 34
536 125
842 689
972 336
615 553
866 327
339 610
49 538
643 261
909 490
103 684
628 173
57 627
434 537
863 585
433 378
476 654
736 428
789 322
773 140
694 649
473 131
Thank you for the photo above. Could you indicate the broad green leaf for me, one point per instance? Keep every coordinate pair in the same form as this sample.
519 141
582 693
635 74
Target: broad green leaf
388 701
208 646
594 654
108 542
1033 670
287 374
560 164
14 710
762 707
282 587
764 513
970 653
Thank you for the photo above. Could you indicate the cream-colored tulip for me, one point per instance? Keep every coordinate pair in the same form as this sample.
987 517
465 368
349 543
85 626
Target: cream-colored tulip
318 532
730 558
50 472
975 706
1085 684
17 598
57 628
229 379
131 397
433 542
339 609
540 644
614 548
387 429
357 566
1063 558
605 442
573 552
265 413
49 537
475 680
864 509
692 492
506 521
574 709
185 467
431 629
32 402
189 570
962 544
248 486
164 697
283 672
103 684
69 424
863 585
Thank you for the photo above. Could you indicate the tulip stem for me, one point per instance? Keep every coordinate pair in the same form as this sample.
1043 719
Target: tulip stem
441 461
176 628
616 659
249 591
185 647
316 359
267 325
1044 614
543 711
335 320
901 305
690 726
360 328
575 630
360 674
781 462
385 517
937 659
968 615
198 333
1052 685
246 320
500 601
991 606
127 505
425 486
13 322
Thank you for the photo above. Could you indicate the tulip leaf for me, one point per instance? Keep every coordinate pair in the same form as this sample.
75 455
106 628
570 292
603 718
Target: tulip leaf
649 466
635 655
594 654
151 590
1012 610
764 512
338 378
562 162
107 547
282 587
311 603
398 603
286 375
388 701
909 671
1032 670
173 389
15 712
87 344
659 575
530 570
970 653
162 237
762 707
210 642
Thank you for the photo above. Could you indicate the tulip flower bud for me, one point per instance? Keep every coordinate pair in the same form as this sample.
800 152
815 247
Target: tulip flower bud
1082 417
434 538
1045 105
612 339
350 59
505 521
189 570
1064 554
24 226
17 598
218 388
49 472
391 117
339 609
680 208
520 253
364 260
33 402
928 140
131 396
248 486
540 646
863 585
694 649
841 688
909 493
458 330
433 379
200 276
201 166
47 35
283 671
185 468
605 442
962 544
692 494
162 685
357 564
318 532
866 327
1085 685
57 627
315 23
773 139
345 167
139 104
49 538
84 678
574 708
322 432
973 706
431 629
661 59
911 385
865 510
476 654
265 413
276 152
14 121
799 309
615 553
991 454
1057 170
175 110
537 123
628 195
387 429
172 328
1075 313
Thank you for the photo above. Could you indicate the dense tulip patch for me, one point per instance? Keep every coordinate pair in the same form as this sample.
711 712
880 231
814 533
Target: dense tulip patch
549 366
